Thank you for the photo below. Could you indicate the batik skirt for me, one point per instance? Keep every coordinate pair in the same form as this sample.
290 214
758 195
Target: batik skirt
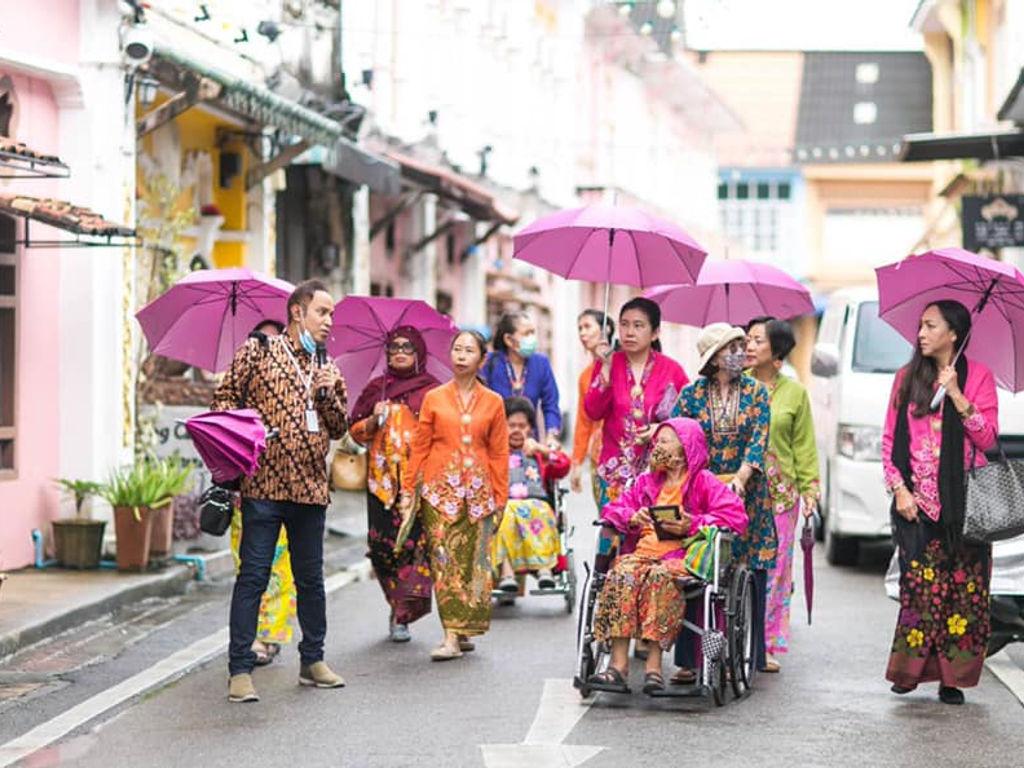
640 599
527 536
405 577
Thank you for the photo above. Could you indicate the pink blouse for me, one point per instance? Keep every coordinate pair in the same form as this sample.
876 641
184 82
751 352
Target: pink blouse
980 432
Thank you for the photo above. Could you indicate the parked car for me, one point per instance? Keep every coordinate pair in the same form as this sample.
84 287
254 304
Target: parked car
855 358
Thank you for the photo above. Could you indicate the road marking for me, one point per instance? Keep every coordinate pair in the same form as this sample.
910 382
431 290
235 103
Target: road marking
559 711
1009 674
173 667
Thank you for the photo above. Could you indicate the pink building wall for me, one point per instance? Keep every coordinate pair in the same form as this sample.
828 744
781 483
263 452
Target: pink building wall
48 29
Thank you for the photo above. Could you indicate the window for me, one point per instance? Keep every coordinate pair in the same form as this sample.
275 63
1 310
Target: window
867 73
763 190
783 190
742 191
389 239
877 347
449 246
723 191
8 350
865 112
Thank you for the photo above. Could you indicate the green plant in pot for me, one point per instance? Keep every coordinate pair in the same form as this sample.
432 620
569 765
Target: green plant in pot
137 493
175 479
78 540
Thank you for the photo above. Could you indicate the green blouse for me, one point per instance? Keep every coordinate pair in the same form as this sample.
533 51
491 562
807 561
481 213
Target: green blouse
791 442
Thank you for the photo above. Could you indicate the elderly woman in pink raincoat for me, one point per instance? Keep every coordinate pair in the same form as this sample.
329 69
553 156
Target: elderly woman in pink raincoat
641 598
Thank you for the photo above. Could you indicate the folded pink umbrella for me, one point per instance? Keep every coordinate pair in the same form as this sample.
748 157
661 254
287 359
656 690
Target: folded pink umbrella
230 443
361 328
807 545
733 292
206 316
611 244
993 291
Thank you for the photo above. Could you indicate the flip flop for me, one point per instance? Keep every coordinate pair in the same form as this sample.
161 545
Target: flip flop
609 681
683 676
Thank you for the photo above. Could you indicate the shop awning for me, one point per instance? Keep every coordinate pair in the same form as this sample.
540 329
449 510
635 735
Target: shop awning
89 227
474 199
263 106
20 161
991 145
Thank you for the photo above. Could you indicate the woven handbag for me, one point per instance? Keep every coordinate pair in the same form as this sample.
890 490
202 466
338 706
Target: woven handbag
995 500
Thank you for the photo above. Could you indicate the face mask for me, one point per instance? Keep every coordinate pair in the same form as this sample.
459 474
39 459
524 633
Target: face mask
527 345
307 342
664 459
735 362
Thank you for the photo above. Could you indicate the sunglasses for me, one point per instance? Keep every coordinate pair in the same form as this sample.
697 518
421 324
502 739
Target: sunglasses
405 348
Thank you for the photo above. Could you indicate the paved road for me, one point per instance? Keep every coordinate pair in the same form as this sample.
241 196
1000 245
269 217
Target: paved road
829 707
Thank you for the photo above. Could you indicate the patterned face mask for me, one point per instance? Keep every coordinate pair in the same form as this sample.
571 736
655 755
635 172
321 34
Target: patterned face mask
734 362
664 459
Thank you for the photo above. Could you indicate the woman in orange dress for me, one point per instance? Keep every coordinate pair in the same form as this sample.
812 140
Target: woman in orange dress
593 328
384 419
457 482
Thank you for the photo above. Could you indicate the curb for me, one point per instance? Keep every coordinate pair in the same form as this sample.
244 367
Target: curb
173 581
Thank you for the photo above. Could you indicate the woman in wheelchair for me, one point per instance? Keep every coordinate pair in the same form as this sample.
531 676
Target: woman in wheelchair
528 538
642 596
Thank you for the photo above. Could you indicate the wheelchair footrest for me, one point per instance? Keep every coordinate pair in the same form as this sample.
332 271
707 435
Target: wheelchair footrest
682 692
552 591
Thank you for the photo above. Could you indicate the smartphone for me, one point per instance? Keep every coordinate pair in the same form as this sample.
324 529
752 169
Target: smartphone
662 514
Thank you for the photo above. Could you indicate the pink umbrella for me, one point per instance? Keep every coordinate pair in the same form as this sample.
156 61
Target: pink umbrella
733 292
361 328
992 290
206 316
230 443
611 244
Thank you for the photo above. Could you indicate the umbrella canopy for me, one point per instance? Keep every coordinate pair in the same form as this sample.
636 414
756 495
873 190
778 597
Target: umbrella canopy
733 292
993 291
362 325
230 443
206 316
611 244
807 545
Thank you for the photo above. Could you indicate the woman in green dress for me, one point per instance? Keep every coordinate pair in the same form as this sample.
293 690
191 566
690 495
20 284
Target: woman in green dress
791 468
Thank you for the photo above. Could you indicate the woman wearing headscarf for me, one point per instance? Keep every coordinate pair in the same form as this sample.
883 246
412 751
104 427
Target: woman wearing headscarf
516 369
457 483
944 624
734 411
791 467
384 420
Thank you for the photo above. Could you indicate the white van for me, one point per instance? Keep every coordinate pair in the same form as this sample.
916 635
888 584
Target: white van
854 360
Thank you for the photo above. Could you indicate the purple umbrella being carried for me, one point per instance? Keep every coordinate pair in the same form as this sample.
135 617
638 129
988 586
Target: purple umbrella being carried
230 443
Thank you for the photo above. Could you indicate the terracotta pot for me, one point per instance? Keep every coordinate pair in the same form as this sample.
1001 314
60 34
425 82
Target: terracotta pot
163 532
78 543
133 538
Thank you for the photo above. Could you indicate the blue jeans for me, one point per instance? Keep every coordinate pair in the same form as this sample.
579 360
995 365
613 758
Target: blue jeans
261 526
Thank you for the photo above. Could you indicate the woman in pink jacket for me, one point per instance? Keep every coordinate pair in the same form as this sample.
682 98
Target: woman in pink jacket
640 598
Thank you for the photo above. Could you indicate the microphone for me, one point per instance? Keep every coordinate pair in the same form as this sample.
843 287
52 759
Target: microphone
321 361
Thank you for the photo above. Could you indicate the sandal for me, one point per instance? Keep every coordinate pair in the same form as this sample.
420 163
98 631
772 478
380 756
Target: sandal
465 644
266 654
771 667
609 681
653 683
684 676
509 584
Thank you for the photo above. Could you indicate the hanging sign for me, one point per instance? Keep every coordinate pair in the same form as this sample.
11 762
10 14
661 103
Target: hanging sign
993 222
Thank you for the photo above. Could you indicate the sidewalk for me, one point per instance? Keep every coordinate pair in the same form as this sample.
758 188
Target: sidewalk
38 604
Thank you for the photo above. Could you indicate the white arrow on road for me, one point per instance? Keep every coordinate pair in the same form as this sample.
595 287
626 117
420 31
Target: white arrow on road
559 710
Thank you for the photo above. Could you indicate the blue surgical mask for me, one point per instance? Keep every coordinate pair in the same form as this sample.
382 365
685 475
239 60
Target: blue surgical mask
307 342
528 345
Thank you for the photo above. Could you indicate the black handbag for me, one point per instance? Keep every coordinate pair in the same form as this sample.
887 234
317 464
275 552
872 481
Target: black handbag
216 506
995 500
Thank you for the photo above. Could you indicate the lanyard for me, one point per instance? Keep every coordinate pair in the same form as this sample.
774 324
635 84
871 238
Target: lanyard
306 381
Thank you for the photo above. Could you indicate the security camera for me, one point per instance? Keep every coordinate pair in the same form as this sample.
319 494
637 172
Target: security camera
137 44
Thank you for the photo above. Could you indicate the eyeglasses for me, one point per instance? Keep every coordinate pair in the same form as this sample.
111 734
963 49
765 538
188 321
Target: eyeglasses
405 348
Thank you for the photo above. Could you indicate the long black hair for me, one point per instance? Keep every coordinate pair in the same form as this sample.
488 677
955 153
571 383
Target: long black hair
600 318
918 385
507 326
650 309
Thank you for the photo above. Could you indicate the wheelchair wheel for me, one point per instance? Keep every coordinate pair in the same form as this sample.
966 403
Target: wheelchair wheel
717 682
570 582
592 655
740 631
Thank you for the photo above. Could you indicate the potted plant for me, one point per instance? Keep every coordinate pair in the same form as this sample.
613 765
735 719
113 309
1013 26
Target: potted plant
135 492
78 540
174 478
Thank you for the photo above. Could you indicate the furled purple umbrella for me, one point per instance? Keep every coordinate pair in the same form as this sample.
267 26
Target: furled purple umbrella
230 443
361 327
611 244
733 292
993 291
206 316
807 545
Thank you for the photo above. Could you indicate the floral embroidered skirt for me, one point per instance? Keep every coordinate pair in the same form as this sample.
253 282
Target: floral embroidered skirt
460 566
527 536
780 579
405 578
640 599
943 626
277 606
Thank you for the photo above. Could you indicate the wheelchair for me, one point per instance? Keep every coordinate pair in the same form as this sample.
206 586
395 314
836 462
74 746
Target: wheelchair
564 571
726 631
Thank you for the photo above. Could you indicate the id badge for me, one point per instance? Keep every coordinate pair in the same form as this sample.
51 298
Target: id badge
312 422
